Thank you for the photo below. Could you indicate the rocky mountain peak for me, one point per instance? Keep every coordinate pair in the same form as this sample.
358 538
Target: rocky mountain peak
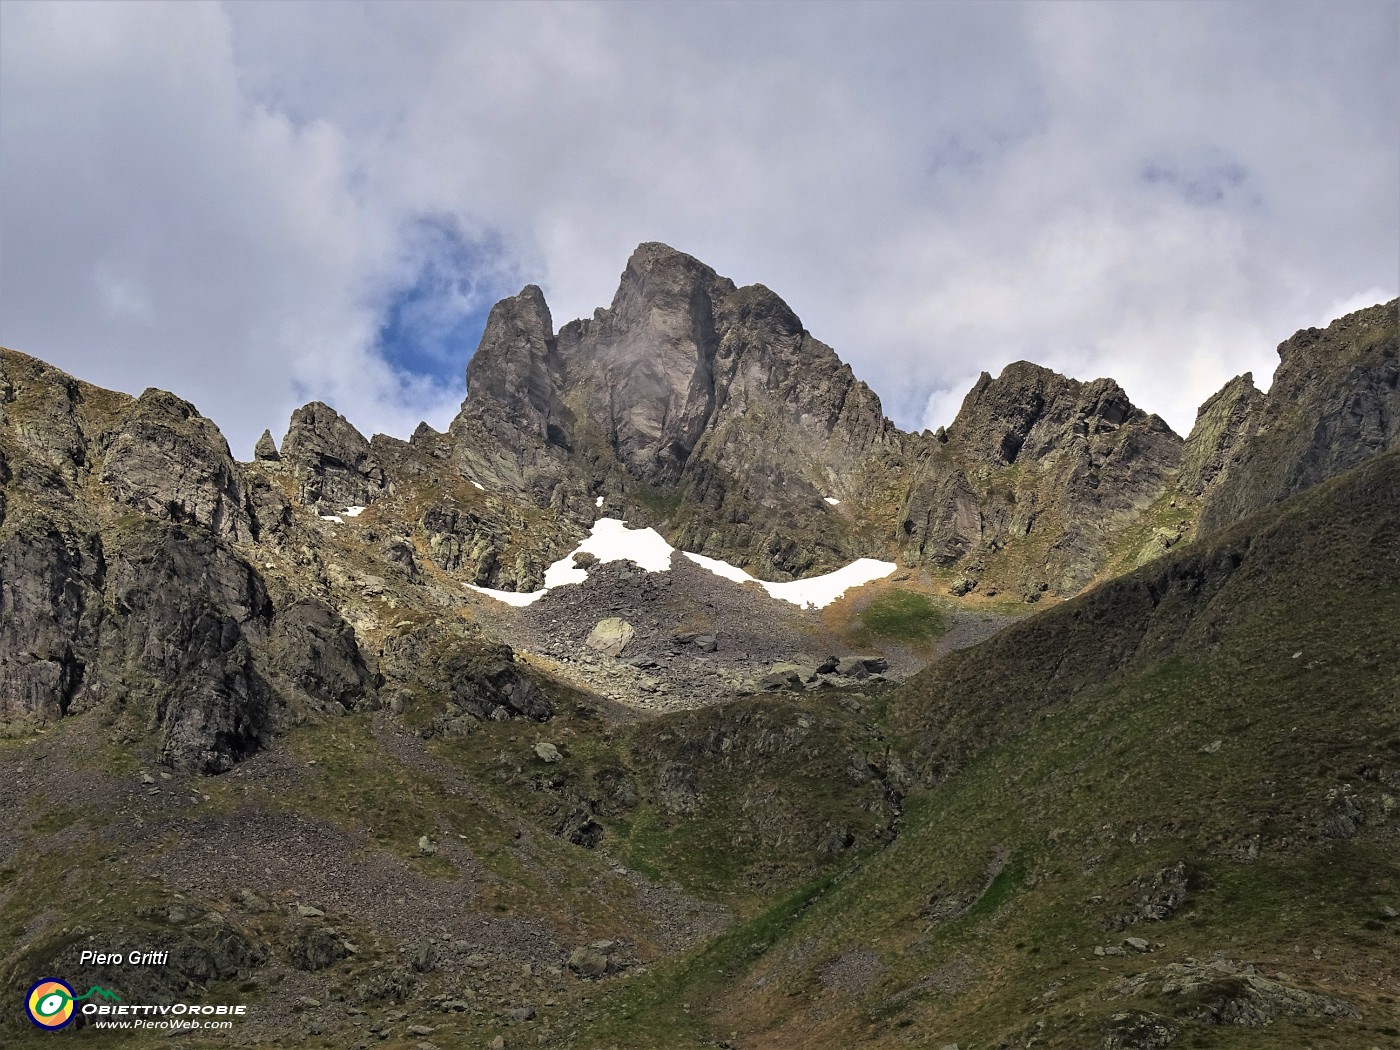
331 460
1334 401
1223 422
509 374
1029 410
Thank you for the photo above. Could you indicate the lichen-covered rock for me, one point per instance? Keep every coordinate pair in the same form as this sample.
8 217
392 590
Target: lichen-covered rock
610 636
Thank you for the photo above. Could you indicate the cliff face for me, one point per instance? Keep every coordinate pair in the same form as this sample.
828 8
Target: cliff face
1335 401
119 585
148 578
1034 480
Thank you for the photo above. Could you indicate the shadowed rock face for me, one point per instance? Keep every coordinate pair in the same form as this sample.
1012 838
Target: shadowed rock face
197 601
1335 401
121 582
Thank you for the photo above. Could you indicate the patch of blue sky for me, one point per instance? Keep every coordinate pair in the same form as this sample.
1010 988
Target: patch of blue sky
433 322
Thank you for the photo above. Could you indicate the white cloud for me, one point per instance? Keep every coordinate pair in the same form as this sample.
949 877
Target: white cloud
223 199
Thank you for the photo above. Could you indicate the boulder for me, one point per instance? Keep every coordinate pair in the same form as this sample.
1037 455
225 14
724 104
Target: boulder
851 667
547 752
610 636
317 948
425 960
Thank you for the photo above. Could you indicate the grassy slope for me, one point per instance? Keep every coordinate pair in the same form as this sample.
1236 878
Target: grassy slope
774 777
1065 760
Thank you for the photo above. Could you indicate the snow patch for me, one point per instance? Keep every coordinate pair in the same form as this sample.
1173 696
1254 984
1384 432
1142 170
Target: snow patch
721 568
353 512
517 598
598 502
820 591
611 540
833 501
479 485
333 517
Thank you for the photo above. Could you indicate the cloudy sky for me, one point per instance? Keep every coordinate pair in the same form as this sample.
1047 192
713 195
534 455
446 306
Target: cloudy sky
257 204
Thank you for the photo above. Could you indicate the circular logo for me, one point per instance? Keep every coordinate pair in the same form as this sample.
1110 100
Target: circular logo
50 1003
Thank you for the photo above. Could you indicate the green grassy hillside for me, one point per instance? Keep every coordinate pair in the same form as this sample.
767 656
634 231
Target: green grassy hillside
1203 756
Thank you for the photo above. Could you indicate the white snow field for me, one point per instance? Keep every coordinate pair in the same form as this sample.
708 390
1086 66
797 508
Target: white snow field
612 540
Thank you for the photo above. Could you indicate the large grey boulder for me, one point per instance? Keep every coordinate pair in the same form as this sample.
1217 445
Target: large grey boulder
610 636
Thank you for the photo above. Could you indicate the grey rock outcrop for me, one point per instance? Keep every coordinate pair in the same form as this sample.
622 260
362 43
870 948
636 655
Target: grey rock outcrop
331 460
266 449
51 579
168 461
122 585
1224 423
1334 401
1039 473
316 649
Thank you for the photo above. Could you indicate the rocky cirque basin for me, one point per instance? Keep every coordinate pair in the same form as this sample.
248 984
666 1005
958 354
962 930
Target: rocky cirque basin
699 638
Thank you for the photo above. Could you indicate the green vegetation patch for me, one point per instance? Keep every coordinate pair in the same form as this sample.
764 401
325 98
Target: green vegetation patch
904 616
